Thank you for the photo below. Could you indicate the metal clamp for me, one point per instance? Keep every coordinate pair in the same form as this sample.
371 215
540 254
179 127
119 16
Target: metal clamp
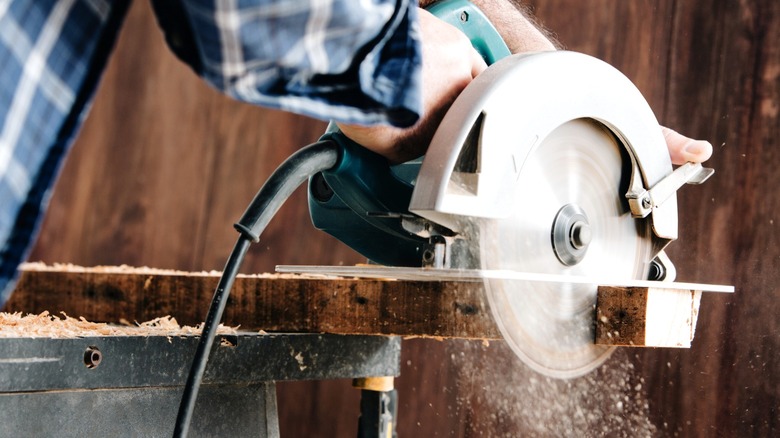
643 201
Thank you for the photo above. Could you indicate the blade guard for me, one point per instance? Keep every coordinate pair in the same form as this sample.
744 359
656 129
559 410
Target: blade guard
509 109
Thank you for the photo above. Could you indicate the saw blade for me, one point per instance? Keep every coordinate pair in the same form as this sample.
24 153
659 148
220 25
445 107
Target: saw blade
570 218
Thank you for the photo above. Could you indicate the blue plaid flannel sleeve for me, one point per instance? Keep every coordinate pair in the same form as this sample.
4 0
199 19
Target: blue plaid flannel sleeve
51 56
352 61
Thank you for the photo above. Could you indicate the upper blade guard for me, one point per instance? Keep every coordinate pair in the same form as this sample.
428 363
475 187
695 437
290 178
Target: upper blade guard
508 110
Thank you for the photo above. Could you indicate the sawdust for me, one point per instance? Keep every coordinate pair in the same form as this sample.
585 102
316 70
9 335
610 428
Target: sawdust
145 270
298 358
45 325
120 269
610 401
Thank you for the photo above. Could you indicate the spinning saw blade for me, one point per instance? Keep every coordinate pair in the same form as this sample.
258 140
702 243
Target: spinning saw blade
569 217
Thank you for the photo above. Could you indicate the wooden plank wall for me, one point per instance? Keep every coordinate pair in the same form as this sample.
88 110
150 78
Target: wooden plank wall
164 165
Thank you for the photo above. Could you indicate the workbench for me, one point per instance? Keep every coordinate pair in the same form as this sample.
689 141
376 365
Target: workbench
131 385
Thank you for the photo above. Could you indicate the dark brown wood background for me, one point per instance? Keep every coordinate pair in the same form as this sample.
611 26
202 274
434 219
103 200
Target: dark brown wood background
164 165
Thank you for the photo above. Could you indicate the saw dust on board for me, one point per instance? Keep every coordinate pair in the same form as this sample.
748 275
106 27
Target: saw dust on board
609 401
46 325
145 270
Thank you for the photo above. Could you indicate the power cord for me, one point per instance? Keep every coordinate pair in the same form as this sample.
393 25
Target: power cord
282 183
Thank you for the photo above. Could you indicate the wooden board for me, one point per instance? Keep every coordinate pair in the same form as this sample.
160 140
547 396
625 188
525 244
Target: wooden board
646 317
272 303
627 316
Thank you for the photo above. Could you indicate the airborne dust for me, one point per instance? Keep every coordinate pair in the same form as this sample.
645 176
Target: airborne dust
506 398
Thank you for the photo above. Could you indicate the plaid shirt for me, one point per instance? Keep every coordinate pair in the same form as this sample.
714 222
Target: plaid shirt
352 61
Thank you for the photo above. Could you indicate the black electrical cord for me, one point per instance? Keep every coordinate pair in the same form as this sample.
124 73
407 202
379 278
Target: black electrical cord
286 178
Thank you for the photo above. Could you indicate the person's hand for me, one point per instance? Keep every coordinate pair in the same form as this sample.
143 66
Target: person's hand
683 149
449 64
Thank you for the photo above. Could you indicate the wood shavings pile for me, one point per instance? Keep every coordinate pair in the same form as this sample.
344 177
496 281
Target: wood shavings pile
145 270
45 325
121 269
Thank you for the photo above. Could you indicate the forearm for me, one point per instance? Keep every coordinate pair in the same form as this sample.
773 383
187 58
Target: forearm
517 26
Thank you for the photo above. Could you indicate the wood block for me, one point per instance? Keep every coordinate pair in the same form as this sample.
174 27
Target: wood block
646 317
269 302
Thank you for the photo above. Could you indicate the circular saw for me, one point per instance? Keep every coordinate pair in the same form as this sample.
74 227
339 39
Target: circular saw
548 164
538 183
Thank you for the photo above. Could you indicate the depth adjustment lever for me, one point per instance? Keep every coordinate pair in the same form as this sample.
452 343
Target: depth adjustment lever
643 201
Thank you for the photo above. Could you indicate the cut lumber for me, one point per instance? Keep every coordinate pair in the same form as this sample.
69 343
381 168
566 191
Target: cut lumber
646 317
625 316
274 303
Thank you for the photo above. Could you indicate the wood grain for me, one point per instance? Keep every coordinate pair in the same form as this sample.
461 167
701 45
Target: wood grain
271 303
646 317
164 165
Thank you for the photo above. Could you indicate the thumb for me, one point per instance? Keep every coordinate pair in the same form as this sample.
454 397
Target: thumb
683 149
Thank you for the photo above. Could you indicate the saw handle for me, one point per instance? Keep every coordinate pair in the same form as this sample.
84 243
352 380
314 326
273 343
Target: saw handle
360 201
371 196
472 22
